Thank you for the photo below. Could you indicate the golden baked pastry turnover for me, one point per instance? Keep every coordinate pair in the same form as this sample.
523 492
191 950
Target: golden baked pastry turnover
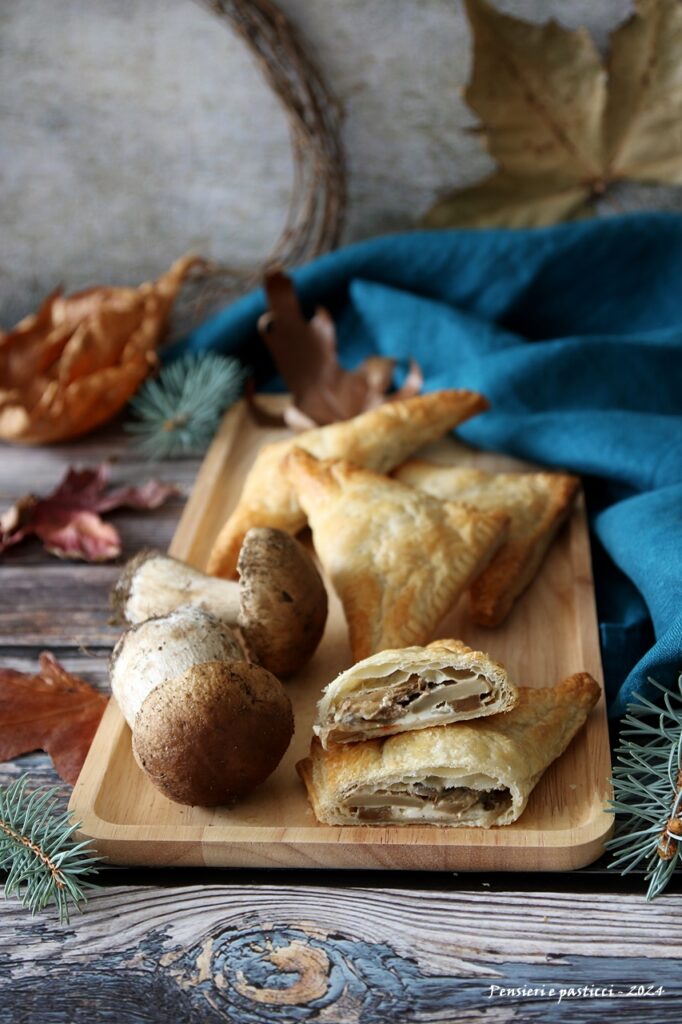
412 688
537 503
379 439
478 773
398 559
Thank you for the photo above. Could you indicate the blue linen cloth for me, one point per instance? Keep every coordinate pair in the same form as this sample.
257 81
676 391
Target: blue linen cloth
574 333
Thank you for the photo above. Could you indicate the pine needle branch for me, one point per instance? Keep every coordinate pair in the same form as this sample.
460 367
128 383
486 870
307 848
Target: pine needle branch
38 852
647 785
178 412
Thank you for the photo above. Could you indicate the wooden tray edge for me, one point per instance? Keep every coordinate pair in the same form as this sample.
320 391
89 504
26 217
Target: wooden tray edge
309 846
162 851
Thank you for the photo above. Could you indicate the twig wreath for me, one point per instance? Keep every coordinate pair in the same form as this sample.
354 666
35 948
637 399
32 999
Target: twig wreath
318 197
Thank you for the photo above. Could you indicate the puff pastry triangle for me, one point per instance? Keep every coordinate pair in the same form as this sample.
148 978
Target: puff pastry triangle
477 773
379 439
537 504
398 559
412 688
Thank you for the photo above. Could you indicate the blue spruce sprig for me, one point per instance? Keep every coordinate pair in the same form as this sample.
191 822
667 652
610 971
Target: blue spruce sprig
179 411
647 784
36 849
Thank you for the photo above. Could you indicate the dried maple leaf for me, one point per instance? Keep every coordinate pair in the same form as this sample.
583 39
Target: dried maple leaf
642 137
304 352
75 363
560 124
52 711
67 521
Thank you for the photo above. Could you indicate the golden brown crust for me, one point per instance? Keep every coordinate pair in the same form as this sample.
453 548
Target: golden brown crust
537 503
305 769
266 500
398 559
378 439
513 749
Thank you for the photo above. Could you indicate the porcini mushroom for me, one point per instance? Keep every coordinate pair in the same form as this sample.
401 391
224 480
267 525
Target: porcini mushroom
208 726
279 603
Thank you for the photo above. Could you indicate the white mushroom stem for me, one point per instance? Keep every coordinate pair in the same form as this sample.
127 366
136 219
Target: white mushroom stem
161 649
279 604
155 584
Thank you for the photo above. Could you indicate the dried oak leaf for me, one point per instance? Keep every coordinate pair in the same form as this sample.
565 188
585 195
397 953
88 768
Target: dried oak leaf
52 711
563 126
304 352
67 521
75 363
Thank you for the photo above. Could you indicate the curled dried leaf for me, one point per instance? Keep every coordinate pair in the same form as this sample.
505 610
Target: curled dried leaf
75 363
304 352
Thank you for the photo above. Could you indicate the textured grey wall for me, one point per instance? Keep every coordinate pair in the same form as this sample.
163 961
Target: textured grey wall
133 130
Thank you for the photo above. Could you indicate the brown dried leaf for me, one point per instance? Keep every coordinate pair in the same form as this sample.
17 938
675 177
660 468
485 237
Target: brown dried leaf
75 363
645 95
502 201
304 352
67 521
52 711
562 126
549 83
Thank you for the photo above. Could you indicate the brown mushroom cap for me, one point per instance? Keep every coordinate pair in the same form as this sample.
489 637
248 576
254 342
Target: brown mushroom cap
283 600
211 735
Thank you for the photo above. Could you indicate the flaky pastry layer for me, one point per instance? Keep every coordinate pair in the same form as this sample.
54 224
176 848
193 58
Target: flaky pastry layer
398 559
468 774
379 439
412 688
537 504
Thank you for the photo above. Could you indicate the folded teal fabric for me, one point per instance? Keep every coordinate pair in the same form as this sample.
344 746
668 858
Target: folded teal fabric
574 333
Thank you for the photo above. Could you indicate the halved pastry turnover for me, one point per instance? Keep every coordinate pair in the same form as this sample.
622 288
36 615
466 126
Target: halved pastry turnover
378 439
537 504
398 559
477 773
412 688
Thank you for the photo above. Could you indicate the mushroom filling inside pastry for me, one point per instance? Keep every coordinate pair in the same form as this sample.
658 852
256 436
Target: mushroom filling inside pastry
409 698
477 773
411 688
430 800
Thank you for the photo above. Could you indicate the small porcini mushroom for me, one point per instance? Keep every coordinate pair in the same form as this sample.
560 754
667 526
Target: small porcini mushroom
207 725
279 603
283 600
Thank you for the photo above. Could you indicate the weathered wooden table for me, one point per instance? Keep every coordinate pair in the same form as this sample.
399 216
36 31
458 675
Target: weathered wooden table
260 946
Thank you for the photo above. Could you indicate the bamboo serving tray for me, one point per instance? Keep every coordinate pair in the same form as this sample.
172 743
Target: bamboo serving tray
551 633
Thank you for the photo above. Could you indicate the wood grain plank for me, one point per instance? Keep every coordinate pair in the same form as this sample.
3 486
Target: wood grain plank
275 953
38 469
57 605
